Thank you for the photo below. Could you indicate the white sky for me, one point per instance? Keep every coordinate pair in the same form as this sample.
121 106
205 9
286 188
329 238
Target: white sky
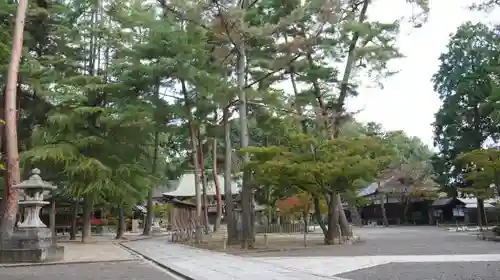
407 101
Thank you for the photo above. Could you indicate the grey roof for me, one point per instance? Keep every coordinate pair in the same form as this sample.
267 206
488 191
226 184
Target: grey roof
158 192
373 187
442 201
185 186
471 202
369 190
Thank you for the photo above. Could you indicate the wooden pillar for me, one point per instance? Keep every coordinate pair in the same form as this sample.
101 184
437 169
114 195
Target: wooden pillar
52 217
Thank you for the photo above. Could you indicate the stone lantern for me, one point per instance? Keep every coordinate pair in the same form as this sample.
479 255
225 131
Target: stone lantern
32 241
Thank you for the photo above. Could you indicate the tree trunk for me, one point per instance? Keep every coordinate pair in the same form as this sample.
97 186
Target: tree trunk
480 213
343 222
204 181
343 92
10 199
355 216
205 201
232 236
383 197
246 192
74 218
148 223
86 217
406 209
52 217
194 147
121 226
318 216
217 186
333 230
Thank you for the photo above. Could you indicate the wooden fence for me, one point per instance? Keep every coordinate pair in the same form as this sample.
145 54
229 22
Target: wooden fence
280 228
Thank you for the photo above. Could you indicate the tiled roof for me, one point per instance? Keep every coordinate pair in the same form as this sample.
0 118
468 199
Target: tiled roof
185 186
373 187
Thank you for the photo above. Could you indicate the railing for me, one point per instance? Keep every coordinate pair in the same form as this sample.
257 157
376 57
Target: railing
280 228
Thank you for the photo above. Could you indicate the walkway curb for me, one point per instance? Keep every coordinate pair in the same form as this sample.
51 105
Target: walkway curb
6 265
174 271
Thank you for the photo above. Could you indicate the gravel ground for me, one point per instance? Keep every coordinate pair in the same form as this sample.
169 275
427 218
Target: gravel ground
131 270
399 241
428 271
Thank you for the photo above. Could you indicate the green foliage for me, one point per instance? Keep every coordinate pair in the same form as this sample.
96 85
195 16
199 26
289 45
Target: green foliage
162 210
468 85
318 166
103 112
481 171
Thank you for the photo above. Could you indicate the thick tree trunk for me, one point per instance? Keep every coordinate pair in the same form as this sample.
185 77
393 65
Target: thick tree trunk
343 92
217 186
355 216
121 226
232 236
10 199
333 230
343 222
86 217
246 192
74 218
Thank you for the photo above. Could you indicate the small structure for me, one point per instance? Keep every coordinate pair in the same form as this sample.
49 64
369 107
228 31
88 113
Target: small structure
393 198
184 187
470 209
446 209
183 220
32 241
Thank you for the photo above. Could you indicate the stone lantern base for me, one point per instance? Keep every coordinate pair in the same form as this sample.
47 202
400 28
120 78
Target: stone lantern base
31 245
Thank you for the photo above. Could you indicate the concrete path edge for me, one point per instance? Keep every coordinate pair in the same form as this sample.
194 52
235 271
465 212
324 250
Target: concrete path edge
7 265
171 268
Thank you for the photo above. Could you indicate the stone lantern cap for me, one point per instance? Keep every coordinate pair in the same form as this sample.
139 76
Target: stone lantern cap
35 182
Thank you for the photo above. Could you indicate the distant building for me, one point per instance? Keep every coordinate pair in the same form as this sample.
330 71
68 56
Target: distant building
184 187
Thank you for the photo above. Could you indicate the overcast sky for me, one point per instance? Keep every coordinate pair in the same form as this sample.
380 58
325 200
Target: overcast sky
407 101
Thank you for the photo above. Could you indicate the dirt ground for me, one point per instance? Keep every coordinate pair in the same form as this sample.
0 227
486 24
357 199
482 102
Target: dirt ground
263 243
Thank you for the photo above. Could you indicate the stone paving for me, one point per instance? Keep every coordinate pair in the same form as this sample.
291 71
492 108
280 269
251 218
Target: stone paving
134 270
336 266
386 253
419 240
76 252
406 253
428 271
413 253
206 265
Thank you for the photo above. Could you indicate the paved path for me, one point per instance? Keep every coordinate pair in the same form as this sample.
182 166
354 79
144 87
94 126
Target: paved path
206 265
134 270
429 271
76 252
401 241
410 253
95 252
